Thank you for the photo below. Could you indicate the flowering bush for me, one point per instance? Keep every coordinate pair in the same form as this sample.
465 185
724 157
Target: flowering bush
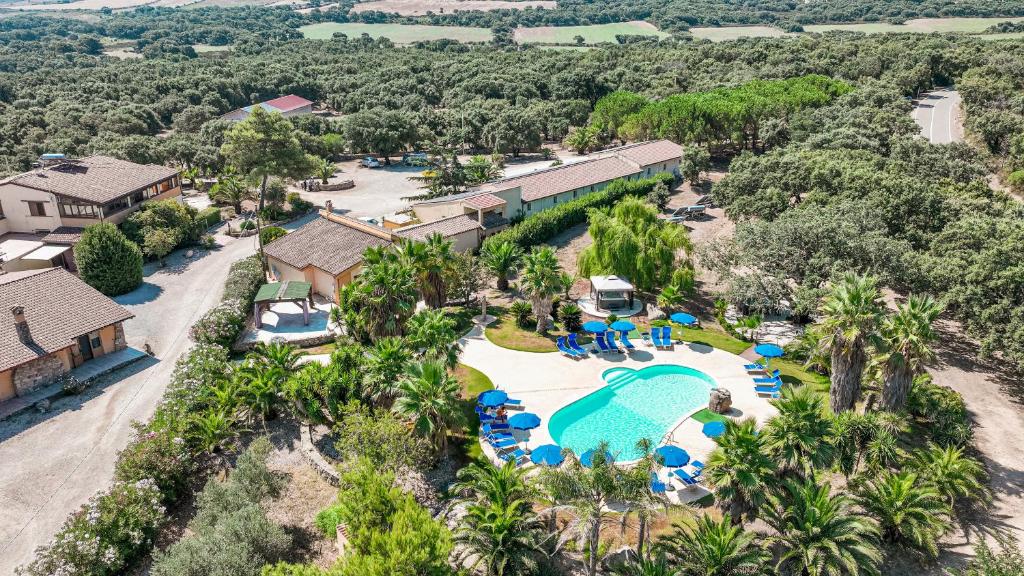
221 325
109 532
161 455
244 278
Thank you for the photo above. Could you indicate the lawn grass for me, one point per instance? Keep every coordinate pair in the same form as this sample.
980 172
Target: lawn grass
593 34
504 332
711 335
327 348
473 383
704 416
398 33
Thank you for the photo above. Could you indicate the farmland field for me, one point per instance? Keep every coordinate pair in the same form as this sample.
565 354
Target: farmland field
591 34
922 25
866 27
733 32
421 7
398 33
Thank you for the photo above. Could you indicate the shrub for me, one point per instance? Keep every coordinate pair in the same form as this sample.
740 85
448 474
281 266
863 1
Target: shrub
209 217
158 454
271 233
247 225
1016 180
108 533
942 411
221 325
297 205
540 227
658 195
382 438
177 219
244 279
570 315
158 243
107 260
521 310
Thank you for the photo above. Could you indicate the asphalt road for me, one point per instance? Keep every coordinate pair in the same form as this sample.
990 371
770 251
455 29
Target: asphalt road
938 114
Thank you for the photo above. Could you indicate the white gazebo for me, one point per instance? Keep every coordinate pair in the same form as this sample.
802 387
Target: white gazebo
611 293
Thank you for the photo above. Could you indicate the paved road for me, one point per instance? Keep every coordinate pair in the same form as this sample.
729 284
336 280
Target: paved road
938 114
52 463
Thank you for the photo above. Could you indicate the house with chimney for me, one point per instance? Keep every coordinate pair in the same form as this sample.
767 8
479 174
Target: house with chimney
50 323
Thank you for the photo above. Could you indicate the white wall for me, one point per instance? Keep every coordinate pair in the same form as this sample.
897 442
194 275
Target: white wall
14 197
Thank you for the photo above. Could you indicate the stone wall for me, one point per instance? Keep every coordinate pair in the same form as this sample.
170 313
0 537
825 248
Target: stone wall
119 341
36 373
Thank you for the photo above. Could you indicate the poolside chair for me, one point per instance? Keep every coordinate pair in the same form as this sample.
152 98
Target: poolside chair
601 343
773 374
610 336
514 404
684 478
494 427
574 345
624 336
504 443
565 350
772 391
697 469
666 336
753 367
656 337
657 486
767 380
508 454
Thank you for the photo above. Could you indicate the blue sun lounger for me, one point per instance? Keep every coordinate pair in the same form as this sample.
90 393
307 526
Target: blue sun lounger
697 469
565 350
601 343
504 443
657 486
513 404
494 427
574 345
753 367
625 340
666 336
774 374
685 478
770 381
772 391
517 456
610 337
656 337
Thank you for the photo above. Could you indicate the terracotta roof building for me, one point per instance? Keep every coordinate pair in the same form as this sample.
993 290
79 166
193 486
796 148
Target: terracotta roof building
290 105
463 230
50 322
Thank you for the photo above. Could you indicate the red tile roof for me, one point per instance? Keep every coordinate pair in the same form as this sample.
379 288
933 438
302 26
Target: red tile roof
332 245
97 179
552 181
649 153
484 201
288 103
59 307
446 227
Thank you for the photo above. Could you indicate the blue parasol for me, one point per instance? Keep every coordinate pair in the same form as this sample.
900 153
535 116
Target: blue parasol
683 318
492 398
524 421
714 429
623 326
769 350
595 326
673 456
548 455
587 459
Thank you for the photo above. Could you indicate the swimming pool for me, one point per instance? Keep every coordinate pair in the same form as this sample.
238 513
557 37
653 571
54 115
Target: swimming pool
634 404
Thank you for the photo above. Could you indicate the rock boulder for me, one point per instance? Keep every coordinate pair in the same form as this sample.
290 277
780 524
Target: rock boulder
721 401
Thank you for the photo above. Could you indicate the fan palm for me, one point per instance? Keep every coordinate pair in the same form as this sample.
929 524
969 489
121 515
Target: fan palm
480 169
212 430
871 437
906 339
432 333
541 281
501 258
586 493
740 469
439 258
324 169
386 362
316 392
505 537
281 358
260 391
709 547
819 534
911 513
852 312
954 475
431 398
232 190
482 482
385 294
799 436
638 496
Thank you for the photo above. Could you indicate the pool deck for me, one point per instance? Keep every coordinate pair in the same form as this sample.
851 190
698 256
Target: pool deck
546 382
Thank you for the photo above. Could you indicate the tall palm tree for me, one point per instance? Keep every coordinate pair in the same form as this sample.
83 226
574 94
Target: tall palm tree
501 258
386 361
819 534
852 311
952 473
232 190
505 537
740 469
432 399
440 256
586 493
799 436
432 333
313 392
385 294
638 496
906 339
709 547
541 281
911 513
657 566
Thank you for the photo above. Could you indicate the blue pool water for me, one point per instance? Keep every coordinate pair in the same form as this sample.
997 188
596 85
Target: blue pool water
635 404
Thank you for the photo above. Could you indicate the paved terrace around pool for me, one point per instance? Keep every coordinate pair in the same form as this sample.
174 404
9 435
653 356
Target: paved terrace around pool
546 382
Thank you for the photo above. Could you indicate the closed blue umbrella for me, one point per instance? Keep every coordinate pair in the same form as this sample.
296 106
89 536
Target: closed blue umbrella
623 326
524 421
588 458
673 456
492 398
595 326
714 429
683 318
548 455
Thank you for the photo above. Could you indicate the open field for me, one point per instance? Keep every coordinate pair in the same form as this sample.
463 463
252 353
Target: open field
922 25
421 7
203 48
591 34
398 33
734 32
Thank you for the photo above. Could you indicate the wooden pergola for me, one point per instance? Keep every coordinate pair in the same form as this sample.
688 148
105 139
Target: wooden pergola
300 293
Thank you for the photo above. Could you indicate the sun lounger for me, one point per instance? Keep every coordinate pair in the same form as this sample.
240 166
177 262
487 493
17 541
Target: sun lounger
666 336
610 336
625 340
657 486
565 350
772 391
574 345
767 380
656 337
686 212
519 457
513 404
697 468
504 443
601 343
773 374
685 478
753 367
494 427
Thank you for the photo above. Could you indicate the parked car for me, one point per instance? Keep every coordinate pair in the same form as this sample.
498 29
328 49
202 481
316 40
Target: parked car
415 159
370 162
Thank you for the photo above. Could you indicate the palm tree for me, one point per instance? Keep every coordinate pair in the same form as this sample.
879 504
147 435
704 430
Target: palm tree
323 169
906 339
910 512
581 139
852 312
480 169
386 362
432 333
870 438
809 347
541 281
384 294
278 357
709 547
505 537
439 259
260 391
313 392
586 493
501 258
657 566
432 399
799 436
818 533
212 430
481 482
954 475
232 190
637 494
740 469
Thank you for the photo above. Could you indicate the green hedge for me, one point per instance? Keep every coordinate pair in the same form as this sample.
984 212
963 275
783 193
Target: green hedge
209 216
542 226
